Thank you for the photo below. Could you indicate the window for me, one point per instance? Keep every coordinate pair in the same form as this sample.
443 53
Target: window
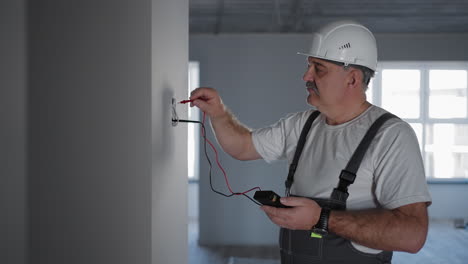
193 129
432 98
400 92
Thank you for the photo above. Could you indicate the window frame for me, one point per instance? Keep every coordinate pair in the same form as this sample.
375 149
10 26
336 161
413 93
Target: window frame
193 130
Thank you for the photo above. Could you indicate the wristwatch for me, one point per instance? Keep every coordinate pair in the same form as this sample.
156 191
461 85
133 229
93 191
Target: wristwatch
321 228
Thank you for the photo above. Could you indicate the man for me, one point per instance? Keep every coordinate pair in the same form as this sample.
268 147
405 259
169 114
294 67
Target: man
387 205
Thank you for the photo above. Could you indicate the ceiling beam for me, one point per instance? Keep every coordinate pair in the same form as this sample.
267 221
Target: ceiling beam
219 17
276 21
296 17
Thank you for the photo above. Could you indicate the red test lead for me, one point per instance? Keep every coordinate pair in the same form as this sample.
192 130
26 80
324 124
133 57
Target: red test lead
185 101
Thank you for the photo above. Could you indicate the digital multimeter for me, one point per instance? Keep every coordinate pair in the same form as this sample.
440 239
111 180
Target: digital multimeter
269 198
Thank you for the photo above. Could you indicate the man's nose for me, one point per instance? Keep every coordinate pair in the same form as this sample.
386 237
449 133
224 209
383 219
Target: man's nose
308 75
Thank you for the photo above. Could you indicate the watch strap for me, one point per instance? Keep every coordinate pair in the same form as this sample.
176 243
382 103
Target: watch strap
321 228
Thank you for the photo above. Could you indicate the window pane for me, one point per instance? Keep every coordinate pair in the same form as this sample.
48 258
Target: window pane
447 151
447 95
400 92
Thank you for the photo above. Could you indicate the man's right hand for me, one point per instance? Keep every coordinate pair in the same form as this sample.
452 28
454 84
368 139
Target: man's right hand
235 138
209 101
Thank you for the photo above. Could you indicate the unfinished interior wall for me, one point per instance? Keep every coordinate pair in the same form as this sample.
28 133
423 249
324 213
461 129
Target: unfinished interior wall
13 244
105 177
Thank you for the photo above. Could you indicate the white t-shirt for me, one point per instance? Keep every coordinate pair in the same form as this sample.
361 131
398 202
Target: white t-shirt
391 173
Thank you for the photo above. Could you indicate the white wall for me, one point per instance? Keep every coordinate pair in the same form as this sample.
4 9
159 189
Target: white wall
169 144
13 243
105 177
259 78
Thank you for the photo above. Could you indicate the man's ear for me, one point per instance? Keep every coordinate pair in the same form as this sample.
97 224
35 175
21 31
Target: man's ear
355 77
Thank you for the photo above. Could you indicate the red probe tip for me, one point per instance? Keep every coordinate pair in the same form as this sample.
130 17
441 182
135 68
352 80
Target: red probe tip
185 101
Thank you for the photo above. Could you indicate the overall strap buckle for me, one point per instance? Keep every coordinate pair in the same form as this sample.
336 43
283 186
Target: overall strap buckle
347 177
341 192
339 195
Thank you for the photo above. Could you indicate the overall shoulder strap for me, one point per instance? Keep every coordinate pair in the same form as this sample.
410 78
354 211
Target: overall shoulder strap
348 175
299 147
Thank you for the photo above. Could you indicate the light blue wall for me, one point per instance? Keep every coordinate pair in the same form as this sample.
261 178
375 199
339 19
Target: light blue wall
449 201
259 78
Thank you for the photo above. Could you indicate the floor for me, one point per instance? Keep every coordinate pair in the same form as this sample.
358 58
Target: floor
445 244
224 254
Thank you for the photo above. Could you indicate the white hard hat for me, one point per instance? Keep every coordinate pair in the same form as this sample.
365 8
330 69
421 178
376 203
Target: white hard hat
345 41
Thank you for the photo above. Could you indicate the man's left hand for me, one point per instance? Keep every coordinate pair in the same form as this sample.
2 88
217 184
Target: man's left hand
303 215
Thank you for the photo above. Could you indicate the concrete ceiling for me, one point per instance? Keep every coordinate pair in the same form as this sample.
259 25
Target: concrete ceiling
300 16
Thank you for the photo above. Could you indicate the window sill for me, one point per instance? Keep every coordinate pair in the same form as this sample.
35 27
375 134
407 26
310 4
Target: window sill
193 181
447 181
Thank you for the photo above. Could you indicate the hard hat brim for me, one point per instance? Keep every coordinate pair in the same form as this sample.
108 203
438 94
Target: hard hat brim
324 58
345 62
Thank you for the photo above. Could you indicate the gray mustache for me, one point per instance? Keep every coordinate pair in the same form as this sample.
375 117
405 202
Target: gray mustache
313 86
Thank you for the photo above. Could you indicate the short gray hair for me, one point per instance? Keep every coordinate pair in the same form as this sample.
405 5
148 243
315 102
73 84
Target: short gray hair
367 73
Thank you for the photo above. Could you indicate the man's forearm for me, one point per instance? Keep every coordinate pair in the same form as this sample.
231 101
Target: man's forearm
402 229
234 137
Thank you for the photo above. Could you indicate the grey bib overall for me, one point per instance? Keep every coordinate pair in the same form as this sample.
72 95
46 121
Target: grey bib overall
297 246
